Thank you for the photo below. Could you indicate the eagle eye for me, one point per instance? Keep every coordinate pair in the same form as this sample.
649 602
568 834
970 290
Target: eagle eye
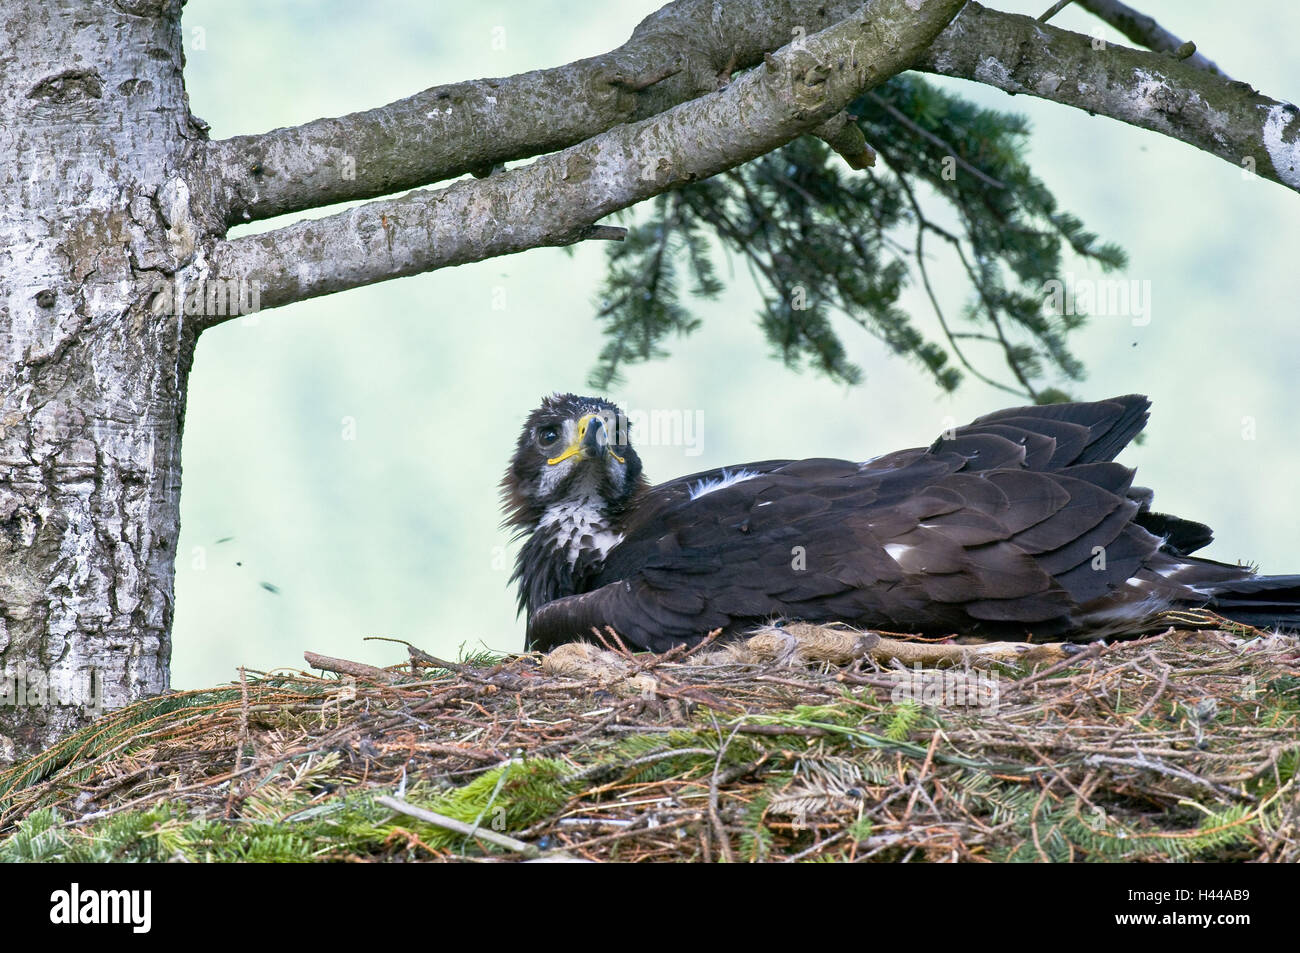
548 435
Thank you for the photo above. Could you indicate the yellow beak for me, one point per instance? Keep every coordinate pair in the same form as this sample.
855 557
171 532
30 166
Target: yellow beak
579 442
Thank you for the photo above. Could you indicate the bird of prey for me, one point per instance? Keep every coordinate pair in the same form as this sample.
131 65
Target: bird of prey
1019 525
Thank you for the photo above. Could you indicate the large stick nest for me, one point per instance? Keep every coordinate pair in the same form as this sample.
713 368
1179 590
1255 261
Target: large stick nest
821 744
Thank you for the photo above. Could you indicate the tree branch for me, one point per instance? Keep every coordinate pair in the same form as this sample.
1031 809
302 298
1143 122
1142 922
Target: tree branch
449 130
1145 31
1053 10
674 55
1149 90
553 201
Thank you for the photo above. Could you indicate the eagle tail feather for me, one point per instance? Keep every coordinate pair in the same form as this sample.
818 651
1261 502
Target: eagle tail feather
1265 602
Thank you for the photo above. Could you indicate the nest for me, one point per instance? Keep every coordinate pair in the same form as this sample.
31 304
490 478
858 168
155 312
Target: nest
801 744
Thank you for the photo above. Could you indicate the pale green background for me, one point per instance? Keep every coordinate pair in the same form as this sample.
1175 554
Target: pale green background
395 533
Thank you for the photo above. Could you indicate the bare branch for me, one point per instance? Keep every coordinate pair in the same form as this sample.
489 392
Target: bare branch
436 134
1149 90
554 200
842 134
459 827
923 225
609 233
1145 31
678 53
903 120
674 55
1053 10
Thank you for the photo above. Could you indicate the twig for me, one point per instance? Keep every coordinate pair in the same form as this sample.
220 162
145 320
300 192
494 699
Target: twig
609 233
715 818
1142 763
1145 31
345 667
843 134
459 827
604 768
904 120
241 741
1160 689
1054 9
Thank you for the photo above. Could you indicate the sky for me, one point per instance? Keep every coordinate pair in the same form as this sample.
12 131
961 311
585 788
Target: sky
341 456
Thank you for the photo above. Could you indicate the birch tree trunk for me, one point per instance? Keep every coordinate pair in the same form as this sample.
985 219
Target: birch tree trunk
94 124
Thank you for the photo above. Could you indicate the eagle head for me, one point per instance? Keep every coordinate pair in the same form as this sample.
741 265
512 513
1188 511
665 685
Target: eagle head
573 450
568 488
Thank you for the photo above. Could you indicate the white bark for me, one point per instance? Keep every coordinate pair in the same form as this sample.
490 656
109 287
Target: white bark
93 125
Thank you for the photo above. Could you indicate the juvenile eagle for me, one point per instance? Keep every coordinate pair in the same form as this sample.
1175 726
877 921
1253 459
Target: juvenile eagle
1017 526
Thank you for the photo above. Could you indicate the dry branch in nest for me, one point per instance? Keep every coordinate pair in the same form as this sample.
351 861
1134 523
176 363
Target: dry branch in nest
800 743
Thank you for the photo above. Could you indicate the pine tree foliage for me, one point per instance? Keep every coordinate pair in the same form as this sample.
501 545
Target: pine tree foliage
824 242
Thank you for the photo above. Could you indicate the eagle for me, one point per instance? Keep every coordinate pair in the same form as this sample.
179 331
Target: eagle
1018 526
